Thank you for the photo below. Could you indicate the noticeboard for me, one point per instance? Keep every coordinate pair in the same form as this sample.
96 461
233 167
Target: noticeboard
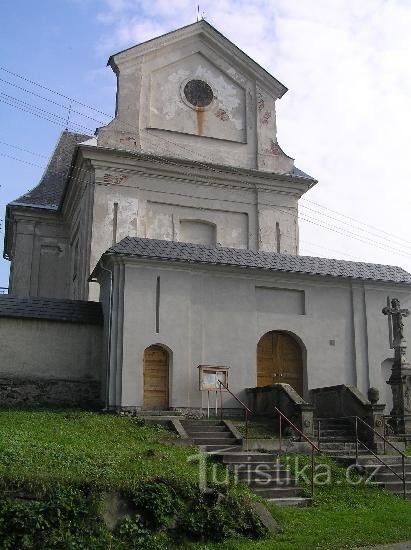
210 376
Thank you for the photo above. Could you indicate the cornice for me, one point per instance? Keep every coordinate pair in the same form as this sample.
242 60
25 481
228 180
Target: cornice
128 162
258 276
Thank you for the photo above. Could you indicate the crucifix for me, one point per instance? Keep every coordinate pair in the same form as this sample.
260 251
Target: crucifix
400 379
396 327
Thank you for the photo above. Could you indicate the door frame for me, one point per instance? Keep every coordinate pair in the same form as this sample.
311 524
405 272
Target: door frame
169 364
303 350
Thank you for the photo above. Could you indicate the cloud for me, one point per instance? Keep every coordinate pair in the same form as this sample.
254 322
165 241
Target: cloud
347 116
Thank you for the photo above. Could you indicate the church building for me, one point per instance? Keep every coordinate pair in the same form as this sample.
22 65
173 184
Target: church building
169 240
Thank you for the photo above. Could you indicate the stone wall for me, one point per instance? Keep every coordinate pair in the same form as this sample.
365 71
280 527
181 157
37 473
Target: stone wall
44 362
20 392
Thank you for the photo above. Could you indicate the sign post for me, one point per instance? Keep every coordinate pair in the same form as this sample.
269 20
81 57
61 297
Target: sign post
209 378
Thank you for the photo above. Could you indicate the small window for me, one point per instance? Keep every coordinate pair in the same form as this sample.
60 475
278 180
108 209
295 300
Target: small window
198 232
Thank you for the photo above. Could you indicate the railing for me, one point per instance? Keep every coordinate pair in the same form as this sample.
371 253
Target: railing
395 418
359 442
386 441
301 434
247 411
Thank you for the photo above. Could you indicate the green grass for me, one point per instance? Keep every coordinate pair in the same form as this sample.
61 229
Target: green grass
105 452
258 428
342 516
84 447
59 469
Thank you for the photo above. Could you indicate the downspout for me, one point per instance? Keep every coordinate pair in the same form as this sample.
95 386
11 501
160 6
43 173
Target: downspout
107 404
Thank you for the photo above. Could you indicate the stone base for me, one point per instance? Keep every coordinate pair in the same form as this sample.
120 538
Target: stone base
38 392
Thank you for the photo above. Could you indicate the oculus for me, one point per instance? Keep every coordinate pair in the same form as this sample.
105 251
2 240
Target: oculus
198 93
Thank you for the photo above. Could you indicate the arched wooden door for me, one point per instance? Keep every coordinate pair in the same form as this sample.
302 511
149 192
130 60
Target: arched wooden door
155 373
279 359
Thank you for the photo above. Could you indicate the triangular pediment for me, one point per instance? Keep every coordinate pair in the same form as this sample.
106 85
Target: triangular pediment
208 35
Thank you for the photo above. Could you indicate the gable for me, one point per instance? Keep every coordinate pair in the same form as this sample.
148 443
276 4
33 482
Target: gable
159 110
176 88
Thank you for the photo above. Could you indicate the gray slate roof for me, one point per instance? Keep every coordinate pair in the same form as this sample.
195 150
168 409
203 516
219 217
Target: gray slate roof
201 254
70 311
50 191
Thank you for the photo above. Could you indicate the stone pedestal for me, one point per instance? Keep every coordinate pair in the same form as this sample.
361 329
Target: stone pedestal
400 382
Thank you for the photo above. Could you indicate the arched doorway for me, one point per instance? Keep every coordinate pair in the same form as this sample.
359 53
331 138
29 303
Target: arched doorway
156 377
279 360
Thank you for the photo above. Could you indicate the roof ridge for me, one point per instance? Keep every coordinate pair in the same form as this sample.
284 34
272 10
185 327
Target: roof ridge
247 258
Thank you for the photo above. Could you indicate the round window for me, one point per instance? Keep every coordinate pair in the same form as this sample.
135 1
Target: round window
198 93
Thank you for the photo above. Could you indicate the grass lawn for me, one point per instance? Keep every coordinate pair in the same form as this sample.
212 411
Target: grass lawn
63 473
103 450
70 459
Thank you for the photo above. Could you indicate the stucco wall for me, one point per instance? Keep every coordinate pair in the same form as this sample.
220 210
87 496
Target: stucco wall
215 316
40 256
49 362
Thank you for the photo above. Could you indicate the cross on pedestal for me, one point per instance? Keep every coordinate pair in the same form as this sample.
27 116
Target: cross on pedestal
400 379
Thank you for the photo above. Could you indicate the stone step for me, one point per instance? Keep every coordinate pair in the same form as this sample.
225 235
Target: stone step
211 435
189 423
246 458
230 440
194 428
221 449
244 468
333 424
386 477
329 434
260 483
273 473
291 501
278 492
388 459
383 470
158 413
326 442
395 486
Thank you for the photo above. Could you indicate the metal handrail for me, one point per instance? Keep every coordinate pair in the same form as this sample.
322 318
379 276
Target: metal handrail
381 436
394 416
403 456
246 409
313 445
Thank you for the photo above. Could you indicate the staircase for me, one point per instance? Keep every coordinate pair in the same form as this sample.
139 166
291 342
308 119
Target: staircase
262 472
337 440
212 436
384 477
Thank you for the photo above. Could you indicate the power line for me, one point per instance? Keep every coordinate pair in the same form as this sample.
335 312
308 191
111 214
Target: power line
53 102
304 199
355 227
53 91
31 109
21 160
24 150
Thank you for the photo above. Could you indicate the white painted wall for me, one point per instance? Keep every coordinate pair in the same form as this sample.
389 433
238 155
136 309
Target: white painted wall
211 316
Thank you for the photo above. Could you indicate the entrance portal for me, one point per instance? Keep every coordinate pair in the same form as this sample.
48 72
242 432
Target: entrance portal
279 360
155 375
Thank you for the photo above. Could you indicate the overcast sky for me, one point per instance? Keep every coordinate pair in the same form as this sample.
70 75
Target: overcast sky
346 118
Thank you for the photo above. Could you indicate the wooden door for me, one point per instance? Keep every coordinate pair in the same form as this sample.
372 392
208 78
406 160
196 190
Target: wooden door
155 378
279 359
